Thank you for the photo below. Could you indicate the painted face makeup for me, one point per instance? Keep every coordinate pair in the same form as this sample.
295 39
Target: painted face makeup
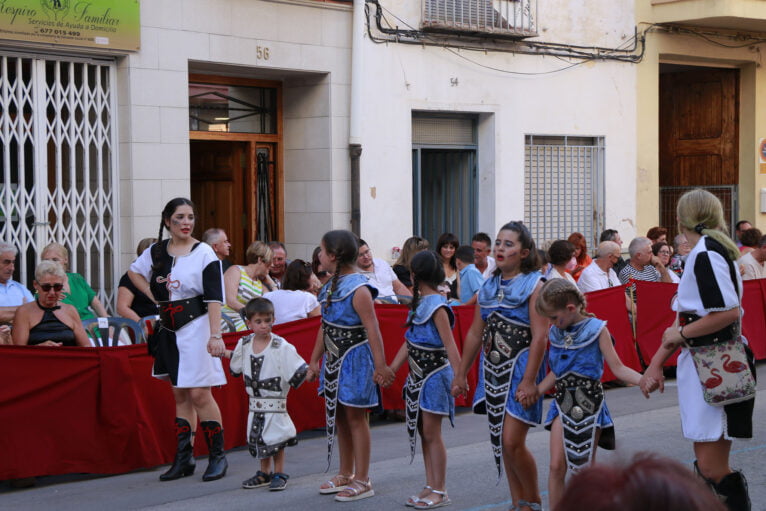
181 222
508 251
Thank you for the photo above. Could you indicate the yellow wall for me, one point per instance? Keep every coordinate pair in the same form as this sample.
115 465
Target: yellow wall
689 50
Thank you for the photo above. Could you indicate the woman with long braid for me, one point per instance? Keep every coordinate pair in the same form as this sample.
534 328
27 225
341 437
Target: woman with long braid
354 362
184 277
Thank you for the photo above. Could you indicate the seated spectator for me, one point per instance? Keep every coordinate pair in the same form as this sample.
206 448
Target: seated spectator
753 264
750 239
12 293
380 275
741 227
45 322
482 247
445 247
243 283
613 235
217 239
643 265
131 302
600 274
278 262
545 263
662 251
657 234
294 301
581 253
561 258
681 249
412 246
471 279
77 292
647 482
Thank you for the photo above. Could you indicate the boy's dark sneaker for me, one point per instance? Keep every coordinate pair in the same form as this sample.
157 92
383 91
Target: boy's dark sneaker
258 480
278 481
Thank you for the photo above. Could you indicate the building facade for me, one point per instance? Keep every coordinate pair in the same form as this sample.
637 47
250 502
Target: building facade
284 119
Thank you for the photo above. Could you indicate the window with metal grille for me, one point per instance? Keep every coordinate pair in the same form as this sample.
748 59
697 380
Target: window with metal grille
58 164
514 18
564 187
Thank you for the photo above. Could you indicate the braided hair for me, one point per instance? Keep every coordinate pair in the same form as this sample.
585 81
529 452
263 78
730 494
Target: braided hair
343 245
167 214
556 294
427 269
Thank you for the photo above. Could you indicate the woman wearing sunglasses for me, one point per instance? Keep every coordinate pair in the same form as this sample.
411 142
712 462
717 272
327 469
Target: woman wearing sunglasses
46 321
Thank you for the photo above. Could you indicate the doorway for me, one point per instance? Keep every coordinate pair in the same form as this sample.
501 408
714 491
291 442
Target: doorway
699 137
234 186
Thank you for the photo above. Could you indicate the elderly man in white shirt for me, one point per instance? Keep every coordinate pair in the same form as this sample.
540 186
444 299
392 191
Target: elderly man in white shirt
600 273
753 264
380 275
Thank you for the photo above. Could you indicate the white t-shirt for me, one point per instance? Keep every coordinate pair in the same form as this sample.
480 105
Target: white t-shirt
593 278
491 266
291 305
753 269
382 277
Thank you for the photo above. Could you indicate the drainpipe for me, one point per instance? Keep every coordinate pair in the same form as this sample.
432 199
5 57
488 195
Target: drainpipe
355 124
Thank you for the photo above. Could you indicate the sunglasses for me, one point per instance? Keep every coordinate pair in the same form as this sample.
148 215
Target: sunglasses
47 287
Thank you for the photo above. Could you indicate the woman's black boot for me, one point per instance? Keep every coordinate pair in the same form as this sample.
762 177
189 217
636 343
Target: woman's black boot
217 464
733 492
183 464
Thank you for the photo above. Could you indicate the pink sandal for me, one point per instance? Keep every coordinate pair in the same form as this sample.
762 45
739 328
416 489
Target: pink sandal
335 484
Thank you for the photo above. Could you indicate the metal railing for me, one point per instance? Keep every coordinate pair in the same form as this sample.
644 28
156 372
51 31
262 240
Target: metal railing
669 196
516 18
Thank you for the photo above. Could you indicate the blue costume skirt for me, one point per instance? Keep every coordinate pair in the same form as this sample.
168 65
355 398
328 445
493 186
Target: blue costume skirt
355 385
532 415
435 396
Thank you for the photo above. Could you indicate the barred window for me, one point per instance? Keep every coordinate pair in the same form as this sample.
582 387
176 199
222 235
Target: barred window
564 187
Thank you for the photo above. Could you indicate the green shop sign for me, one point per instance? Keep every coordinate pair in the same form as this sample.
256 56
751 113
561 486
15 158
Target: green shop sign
107 24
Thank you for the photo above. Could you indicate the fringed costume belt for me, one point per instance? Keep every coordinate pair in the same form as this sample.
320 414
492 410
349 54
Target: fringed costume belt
338 341
423 362
503 341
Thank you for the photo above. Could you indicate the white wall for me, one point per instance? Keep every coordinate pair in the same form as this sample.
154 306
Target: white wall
591 99
309 46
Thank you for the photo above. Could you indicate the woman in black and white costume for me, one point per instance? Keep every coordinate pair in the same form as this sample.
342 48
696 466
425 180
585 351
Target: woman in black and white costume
708 302
184 276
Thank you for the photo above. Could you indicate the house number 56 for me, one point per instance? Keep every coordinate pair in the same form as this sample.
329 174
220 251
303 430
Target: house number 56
262 52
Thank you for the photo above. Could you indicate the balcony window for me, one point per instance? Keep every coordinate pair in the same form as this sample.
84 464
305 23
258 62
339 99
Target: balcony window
510 18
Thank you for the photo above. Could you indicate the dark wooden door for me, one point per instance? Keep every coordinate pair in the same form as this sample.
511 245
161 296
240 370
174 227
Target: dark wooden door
699 136
219 173
699 128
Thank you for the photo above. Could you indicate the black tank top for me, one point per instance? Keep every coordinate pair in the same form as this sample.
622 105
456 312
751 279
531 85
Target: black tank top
50 328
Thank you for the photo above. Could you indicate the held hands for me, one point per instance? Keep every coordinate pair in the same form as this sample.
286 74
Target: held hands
652 380
384 376
459 386
216 347
527 394
313 372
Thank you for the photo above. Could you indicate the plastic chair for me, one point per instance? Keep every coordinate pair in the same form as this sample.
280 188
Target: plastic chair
98 330
228 323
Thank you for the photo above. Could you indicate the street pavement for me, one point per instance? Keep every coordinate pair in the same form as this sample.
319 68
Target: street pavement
641 425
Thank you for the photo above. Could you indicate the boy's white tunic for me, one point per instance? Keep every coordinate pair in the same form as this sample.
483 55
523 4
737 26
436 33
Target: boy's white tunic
268 378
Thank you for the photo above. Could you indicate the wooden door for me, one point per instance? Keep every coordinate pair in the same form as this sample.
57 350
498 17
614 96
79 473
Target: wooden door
699 137
219 171
699 128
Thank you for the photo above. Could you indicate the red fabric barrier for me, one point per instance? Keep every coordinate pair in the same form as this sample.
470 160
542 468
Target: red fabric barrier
654 316
754 319
608 305
98 410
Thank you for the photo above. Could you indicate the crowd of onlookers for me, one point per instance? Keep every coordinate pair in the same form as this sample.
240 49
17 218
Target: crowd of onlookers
293 286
